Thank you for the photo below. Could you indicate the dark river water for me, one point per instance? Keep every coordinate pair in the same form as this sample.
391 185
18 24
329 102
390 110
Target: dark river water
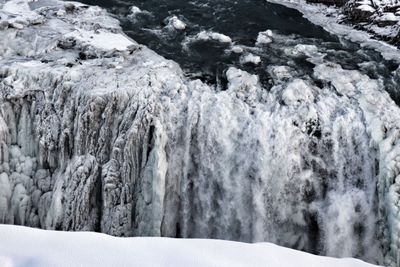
242 21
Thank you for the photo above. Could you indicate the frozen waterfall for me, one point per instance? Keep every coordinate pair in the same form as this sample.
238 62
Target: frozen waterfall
111 137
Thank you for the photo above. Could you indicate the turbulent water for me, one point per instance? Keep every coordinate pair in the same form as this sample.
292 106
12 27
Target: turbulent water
289 136
149 23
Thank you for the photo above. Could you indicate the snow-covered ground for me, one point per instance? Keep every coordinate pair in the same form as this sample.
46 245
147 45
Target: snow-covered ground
28 247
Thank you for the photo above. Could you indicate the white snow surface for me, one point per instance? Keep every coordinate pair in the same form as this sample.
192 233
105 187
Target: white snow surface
367 8
28 247
101 39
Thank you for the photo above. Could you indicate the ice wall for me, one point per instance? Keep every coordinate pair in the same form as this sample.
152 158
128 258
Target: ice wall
99 133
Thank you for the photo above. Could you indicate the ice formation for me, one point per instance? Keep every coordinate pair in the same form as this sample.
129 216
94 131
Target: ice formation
135 11
264 37
99 133
214 36
237 49
250 58
176 23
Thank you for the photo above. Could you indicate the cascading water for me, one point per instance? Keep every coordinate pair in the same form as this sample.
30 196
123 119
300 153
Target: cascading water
300 149
300 173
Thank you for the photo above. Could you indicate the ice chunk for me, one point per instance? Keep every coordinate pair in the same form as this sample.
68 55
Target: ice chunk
237 49
250 58
264 37
135 10
215 36
176 23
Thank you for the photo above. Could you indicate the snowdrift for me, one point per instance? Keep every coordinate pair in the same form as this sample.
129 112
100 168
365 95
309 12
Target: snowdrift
22 246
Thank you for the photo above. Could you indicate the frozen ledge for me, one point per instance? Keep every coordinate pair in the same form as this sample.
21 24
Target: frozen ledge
50 39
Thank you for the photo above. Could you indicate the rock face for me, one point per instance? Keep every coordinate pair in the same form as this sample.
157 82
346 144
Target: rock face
99 133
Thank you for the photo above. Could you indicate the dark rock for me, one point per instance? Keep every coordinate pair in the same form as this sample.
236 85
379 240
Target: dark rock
392 9
329 2
4 25
356 14
87 54
70 8
66 43
382 22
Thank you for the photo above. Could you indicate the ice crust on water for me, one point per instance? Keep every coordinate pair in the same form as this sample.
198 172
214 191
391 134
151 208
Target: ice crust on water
214 36
112 137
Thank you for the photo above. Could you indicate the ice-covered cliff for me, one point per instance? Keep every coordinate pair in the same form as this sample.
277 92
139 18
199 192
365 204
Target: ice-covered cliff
99 133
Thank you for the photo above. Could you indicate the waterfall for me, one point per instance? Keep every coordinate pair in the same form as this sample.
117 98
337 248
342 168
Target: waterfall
122 143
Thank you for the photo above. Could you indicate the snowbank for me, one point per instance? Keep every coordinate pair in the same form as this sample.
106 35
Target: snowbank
20 246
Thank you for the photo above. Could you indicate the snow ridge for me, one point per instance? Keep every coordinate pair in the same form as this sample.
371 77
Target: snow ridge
23 246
